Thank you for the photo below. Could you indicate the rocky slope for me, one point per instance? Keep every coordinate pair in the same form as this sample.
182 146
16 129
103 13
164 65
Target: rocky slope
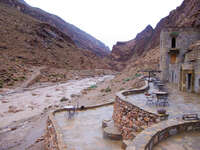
26 42
186 15
80 38
123 51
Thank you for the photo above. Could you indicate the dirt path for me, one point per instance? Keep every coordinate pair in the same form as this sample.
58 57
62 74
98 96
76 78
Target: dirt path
33 77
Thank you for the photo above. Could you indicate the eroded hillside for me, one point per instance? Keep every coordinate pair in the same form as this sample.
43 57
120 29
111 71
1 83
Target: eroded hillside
26 42
80 38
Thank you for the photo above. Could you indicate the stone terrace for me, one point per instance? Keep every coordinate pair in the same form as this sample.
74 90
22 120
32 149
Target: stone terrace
180 102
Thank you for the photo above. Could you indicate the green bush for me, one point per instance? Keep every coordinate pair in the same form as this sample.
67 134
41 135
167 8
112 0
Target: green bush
121 89
93 86
108 89
137 75
127 79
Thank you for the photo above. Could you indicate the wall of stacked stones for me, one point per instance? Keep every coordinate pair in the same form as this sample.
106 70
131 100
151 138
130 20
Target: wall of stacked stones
51 141
130 119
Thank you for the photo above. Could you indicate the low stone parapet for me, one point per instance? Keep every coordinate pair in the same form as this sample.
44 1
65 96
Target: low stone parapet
53 135
161 131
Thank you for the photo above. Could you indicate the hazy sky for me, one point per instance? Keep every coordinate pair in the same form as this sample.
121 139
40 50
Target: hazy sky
109 20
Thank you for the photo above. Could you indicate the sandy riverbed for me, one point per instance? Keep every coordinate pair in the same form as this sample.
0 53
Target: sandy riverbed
26 104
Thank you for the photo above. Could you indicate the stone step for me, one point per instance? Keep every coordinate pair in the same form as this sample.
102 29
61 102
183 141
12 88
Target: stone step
112 132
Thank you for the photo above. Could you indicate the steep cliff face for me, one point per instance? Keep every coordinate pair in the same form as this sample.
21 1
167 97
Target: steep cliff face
186 15
80 38
123 51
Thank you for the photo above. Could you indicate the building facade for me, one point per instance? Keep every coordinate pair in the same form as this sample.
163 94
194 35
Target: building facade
180 58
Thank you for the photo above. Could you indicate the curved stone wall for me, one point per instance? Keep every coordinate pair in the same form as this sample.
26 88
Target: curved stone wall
161 131
129 118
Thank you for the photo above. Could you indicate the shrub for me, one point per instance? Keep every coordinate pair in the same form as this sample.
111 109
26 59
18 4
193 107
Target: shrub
127 79
93 86
137 75
121 89
64 99
108 89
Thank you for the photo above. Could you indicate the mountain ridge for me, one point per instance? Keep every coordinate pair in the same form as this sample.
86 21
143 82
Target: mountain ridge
80 37
26 43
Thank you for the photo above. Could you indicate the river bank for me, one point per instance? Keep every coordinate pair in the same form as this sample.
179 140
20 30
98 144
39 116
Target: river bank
23 112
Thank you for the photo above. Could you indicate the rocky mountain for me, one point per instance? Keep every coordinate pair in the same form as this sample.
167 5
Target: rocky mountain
186 15
26 42
80 38
123 51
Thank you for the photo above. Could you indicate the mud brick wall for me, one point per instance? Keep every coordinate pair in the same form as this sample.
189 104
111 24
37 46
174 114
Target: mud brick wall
51 142
130 119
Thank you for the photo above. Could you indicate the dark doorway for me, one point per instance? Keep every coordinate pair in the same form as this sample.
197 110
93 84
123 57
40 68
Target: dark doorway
173 42
189 81
172 76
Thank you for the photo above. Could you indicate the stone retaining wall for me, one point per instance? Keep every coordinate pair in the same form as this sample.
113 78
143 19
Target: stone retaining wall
53 135
130 119
50 137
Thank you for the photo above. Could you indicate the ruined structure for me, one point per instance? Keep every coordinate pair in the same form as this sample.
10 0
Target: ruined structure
179 63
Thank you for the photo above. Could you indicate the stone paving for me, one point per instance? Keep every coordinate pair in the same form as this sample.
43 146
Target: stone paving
180 102
183 141
84 131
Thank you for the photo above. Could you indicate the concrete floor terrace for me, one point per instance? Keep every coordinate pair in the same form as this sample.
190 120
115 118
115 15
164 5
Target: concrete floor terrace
84 131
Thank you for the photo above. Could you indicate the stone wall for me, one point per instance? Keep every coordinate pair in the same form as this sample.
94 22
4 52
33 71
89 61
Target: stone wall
53 135
51 142
130 119
162 131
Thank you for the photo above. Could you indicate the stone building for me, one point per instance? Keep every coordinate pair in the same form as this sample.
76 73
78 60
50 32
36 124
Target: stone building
180 58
